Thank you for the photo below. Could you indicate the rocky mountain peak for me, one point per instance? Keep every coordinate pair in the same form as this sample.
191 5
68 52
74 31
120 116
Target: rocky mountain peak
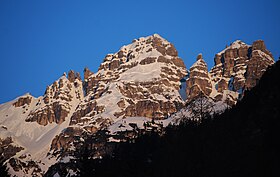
199 57
87 73
144 50
144 77
23 100
58 100
238 67
234 45
258 45
72 76
138 83
198 80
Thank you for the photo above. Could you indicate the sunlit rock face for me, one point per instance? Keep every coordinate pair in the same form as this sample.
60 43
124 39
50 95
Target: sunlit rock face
141 79
237 68
199 79
141 82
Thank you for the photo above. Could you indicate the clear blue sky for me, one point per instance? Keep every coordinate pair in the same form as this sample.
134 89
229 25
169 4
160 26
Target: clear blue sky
39 40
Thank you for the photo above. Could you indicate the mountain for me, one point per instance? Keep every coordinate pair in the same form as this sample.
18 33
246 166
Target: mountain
237 68
145 85
243 141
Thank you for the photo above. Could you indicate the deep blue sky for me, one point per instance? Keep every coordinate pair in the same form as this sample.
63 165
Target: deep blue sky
39 40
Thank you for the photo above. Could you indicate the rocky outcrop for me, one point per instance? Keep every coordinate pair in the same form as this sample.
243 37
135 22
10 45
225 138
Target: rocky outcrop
260 59
87 73
55 112
88 81
29 168
139 84
84 114
151 109
238 68
145 74
59 99
230 66
8 149
24 100
67 138
198 80
141 79
72 76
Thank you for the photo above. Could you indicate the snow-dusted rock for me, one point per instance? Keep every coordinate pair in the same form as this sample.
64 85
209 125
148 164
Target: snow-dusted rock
199 80
139 84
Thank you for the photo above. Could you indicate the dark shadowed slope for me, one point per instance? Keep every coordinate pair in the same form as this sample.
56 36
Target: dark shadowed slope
244 141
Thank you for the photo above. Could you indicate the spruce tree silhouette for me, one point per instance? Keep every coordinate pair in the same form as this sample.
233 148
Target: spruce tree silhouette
243 141
201 107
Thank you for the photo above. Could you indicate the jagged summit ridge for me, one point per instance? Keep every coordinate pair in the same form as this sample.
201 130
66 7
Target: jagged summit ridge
234 45
138 83
198 80
143 76
237 68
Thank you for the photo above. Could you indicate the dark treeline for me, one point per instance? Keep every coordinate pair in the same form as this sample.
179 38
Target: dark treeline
243 141
3 168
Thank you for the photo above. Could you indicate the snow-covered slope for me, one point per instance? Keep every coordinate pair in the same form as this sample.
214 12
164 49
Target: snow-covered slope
141 80
33 136
138 87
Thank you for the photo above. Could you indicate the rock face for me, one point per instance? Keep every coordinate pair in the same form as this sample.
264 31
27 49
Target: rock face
72 76
24 100
8 149
141 79
198 79
59 99
260 59
237 68
141 82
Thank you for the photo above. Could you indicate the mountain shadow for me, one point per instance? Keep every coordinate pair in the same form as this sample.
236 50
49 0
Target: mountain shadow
243 141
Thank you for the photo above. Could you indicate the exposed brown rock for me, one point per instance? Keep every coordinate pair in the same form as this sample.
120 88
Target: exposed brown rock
22 101
218 59
242 52
57 99
78 76
239 67
198 80
158 45
172 51
258 45
148 60
121 104
222 85
178 62
162 59
120 54
114 64
89 110
87 73
71 76
255 68
8 149
63 140
53 113
229 56
151 109
199 57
